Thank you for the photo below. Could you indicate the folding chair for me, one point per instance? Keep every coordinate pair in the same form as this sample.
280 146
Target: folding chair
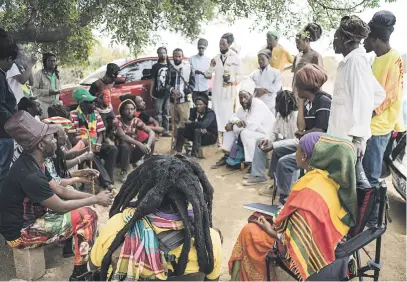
357 239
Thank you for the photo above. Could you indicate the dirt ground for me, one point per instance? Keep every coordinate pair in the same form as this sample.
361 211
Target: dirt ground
230 216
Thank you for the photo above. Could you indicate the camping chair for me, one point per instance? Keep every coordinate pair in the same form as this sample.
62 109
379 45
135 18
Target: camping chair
357 240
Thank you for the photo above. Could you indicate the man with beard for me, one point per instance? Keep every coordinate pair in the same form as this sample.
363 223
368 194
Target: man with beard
201 128
158 90
267 80
228 73
21 73
280 56
253 120
32 212
8 104
388 70
47 83
180 83
200 64
88 124
133 146
356 93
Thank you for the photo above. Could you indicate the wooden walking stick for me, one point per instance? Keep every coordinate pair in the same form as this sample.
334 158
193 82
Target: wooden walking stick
90 162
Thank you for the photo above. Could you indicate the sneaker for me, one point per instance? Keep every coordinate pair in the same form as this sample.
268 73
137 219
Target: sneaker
267 191
247 176
254 180
123 176
166 134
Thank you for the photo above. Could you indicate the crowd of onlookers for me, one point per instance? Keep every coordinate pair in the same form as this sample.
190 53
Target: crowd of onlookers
49 152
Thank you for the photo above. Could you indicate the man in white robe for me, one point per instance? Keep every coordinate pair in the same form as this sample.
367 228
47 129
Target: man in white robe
267 80
228 73
252 120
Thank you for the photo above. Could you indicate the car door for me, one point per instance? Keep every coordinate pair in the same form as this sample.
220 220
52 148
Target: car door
137 76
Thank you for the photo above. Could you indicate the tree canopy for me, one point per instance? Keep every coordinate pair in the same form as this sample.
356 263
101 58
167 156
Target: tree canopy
65 26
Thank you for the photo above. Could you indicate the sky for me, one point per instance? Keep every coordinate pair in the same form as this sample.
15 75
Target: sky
251 41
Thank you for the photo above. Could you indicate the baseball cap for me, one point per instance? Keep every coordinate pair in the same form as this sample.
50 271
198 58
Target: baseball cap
80 95
28 131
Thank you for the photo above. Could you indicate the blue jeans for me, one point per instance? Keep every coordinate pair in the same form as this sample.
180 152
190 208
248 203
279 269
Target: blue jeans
6 156
162 113
372 164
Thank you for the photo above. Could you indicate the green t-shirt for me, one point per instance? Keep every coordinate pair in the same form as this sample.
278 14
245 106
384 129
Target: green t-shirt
53 79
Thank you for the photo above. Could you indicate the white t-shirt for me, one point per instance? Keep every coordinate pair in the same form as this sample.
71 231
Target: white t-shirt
14 84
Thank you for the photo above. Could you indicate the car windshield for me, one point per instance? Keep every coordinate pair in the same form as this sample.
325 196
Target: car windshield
100 72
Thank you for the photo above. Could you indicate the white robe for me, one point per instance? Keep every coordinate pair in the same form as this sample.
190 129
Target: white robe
259 122
223 97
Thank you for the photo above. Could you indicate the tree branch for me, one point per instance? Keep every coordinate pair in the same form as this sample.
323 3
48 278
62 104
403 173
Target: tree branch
28 33
340 9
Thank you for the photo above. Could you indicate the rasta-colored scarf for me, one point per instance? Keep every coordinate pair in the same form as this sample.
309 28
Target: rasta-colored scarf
90 123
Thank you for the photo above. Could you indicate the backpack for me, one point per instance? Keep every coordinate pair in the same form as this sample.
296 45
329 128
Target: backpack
236 156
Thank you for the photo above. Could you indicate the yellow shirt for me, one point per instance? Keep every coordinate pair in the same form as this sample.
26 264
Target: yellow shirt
116 223
388 70
280 58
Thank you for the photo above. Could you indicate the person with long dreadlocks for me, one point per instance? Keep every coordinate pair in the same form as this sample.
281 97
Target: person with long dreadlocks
158 90
131 148
151 233
319 212
47 83
357 93
87 124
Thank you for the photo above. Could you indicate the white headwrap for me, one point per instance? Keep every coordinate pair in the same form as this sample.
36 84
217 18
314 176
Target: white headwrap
248 85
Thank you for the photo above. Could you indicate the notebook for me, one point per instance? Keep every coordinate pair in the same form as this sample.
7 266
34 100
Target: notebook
262 208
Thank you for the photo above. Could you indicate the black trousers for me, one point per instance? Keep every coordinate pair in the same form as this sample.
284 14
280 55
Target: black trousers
108 153
196 136
129 155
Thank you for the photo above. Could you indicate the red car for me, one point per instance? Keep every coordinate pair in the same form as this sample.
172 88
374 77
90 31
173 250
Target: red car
134 78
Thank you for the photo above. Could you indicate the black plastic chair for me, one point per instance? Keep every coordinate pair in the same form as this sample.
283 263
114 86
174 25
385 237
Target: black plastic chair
357 239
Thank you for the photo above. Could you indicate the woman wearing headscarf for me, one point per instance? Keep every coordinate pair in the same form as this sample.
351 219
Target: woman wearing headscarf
201 128
319 212
388 70
267 80
357 93
228 74
253 120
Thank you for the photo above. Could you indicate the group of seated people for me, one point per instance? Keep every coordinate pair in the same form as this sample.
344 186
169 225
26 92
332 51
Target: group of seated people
160 223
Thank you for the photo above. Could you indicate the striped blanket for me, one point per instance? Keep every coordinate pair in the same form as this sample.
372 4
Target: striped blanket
140 255
312 228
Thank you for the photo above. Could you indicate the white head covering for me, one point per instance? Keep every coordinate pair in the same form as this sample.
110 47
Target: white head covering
248 85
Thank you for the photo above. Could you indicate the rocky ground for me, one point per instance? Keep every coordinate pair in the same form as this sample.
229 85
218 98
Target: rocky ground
229 216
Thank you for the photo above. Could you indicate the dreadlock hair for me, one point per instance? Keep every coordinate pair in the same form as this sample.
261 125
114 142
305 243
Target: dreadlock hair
45 57
58 110
173 180
312 32
286 103
163 48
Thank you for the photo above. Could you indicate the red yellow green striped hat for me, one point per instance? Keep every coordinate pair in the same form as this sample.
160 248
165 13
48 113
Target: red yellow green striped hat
65 123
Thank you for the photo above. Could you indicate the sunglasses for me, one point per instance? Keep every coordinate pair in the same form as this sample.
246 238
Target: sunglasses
201 48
